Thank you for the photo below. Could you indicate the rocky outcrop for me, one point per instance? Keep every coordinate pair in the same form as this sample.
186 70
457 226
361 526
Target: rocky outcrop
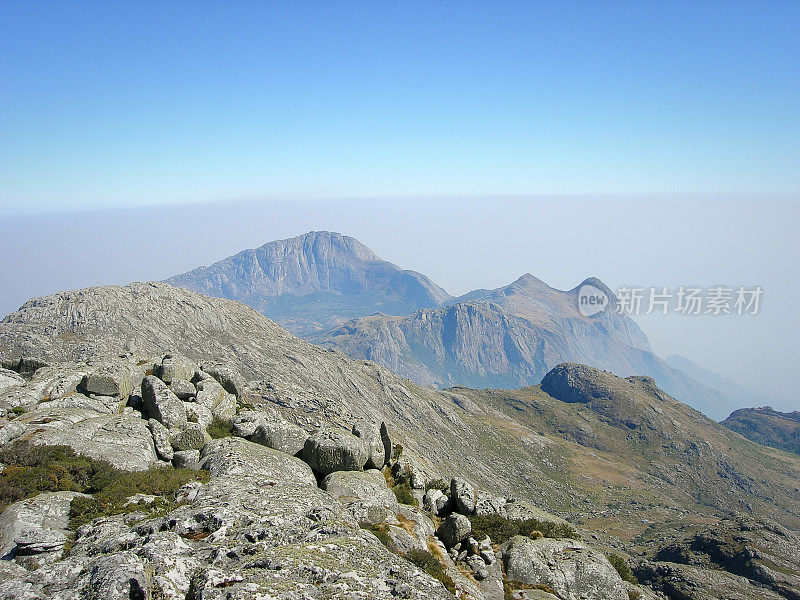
761 552
570 568
364 495
327 450
283 538
161 404
371 434
454 530
34 531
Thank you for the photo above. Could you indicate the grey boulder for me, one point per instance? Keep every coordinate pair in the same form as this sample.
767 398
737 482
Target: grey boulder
280 434
227 376
463 497
108 380
35 530
236 456
186 459
328 450
161 404
174 368
161 440
569 567
123 440
371 434
434 502
363 493
191 436
454 529
183 389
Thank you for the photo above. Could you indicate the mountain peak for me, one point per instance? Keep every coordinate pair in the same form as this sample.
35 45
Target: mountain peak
314 281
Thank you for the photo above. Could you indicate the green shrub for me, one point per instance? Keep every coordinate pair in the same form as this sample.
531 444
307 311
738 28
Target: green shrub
220 428
402 491
18 410
397 451
379 531
432 566
501 529
34 469
621 566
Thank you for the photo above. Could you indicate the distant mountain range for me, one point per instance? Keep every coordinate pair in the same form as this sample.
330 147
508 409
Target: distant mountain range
334 291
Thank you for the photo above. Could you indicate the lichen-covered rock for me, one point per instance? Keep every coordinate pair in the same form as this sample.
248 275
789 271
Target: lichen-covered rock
123 440
279 434
225 409
34 531
186 459
246 422
462 495
197 413
487 504
238 457
183 389
192 436
227 376
161 440
434 502
328 450
387 443
454 529
9 379
210 393
174 368
162 404
111 379
364 494
371 434
569 567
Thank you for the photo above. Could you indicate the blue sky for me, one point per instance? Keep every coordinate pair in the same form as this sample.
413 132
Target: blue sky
646 143
111 104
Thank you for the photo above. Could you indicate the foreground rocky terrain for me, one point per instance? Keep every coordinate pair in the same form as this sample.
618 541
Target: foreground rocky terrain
311 491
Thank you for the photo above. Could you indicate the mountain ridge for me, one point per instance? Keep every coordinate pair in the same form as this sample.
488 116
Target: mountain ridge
334 291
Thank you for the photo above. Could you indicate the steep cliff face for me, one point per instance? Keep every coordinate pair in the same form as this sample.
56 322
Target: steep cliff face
314 281
511 337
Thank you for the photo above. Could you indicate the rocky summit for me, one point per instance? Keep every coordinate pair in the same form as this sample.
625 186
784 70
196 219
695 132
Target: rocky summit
158 443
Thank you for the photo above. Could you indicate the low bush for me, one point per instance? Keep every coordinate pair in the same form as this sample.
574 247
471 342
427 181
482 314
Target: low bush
621 566
220 428
31 470
432 566
501 529
402 491
437 484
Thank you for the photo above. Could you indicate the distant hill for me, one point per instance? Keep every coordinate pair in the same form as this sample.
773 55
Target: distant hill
768 427
314 282
334 291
